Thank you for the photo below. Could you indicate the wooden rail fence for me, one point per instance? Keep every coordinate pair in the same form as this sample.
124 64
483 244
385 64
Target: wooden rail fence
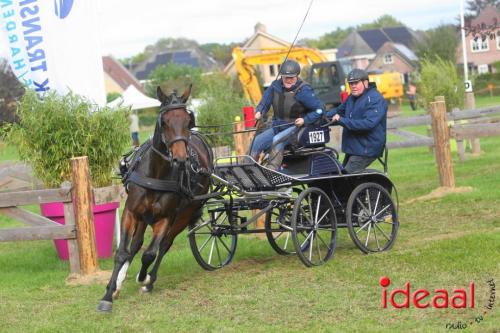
477 116
78 229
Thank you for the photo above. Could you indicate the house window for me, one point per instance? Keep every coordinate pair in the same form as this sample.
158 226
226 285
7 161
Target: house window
272 71
388 58
482 69
480 45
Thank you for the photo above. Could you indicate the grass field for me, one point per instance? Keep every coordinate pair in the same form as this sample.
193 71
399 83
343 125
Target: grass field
442 244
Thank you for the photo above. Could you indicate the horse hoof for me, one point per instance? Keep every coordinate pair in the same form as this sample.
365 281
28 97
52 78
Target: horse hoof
104 306
116 294
145 281
146 290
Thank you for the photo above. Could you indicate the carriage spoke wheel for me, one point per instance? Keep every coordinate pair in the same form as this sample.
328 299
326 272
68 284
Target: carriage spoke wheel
279 237
314 227
372 218
212 238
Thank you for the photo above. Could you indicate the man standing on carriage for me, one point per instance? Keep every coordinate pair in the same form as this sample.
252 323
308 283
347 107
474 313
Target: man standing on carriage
364 119
294 104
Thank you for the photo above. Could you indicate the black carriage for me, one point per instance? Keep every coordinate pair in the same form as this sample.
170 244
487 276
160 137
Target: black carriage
304 205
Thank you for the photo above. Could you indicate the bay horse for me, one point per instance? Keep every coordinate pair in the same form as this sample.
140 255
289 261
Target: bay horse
165 175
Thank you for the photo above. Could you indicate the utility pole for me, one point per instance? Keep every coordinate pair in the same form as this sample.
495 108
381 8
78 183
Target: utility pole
464 47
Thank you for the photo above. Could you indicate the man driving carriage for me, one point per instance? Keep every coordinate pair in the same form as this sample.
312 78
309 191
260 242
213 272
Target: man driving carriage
364 117
294 104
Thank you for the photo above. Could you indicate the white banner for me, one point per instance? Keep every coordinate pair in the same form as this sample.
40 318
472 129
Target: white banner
54 45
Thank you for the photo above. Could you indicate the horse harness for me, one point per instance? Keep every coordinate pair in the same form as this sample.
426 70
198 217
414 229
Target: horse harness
184 183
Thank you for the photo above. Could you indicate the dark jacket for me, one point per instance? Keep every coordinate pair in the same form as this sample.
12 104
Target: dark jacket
305 95
365 123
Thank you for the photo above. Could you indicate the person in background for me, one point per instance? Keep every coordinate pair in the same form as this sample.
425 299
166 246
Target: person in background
294 104
134 128
412 95
363 117
343 94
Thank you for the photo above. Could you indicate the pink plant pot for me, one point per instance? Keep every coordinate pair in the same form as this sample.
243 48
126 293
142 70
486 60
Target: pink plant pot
104 223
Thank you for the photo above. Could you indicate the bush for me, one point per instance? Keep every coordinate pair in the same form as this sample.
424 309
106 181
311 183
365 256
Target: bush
222 103
482 81
440 78
56 128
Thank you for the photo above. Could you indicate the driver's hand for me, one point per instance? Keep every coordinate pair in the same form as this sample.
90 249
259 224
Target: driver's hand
335 118
257 115
299 122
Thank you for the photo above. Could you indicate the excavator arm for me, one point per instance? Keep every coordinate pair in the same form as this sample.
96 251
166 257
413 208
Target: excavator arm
245 65
388 83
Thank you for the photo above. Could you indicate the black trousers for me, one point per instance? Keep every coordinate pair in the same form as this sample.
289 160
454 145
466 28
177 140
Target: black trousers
354 163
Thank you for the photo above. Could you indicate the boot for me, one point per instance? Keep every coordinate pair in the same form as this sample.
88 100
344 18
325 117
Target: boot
275 159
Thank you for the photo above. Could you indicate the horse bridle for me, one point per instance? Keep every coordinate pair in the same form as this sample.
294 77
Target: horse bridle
168 143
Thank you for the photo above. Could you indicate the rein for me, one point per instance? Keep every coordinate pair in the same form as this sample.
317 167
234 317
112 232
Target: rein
240 132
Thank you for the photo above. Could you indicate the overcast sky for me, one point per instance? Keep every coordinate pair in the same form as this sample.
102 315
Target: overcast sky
129 26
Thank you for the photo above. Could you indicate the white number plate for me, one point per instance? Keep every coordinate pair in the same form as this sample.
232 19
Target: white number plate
316 137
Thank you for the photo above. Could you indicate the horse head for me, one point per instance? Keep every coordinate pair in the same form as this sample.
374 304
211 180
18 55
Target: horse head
174 123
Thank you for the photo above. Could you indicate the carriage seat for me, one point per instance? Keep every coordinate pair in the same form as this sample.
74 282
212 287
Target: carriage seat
307 140
308 155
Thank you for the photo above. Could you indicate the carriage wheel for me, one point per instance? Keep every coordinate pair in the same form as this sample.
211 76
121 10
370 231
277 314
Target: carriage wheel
314 227
281 240
372 218
212 239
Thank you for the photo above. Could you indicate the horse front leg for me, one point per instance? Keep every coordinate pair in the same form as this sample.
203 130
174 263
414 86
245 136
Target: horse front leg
128 225
135 246
164 247
159 229
180 223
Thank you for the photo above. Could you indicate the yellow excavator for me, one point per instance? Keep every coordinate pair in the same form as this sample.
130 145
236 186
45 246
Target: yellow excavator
326 77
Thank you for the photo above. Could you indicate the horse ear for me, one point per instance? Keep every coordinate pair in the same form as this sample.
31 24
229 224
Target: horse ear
161 95
186 94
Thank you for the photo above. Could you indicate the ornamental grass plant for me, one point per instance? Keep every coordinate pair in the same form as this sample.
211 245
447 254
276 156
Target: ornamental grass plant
55 128
440 78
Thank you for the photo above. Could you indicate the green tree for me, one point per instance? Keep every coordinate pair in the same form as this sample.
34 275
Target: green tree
440 42
222 102
219 52
162 44
474 7
329 40
334 38
171 77
439 77
112 96
134 60
11 90
384 21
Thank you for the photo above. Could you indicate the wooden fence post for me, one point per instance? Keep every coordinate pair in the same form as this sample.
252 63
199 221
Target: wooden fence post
84 219
442 149
73 248
470 104
240 139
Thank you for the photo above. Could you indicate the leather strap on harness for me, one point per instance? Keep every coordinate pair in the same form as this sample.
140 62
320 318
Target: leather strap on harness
154 183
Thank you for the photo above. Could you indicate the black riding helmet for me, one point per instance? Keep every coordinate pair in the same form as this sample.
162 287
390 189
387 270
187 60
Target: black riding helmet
357 75
290 68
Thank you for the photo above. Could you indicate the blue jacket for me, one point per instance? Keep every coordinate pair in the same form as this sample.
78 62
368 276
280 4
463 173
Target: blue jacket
304 95
365 123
